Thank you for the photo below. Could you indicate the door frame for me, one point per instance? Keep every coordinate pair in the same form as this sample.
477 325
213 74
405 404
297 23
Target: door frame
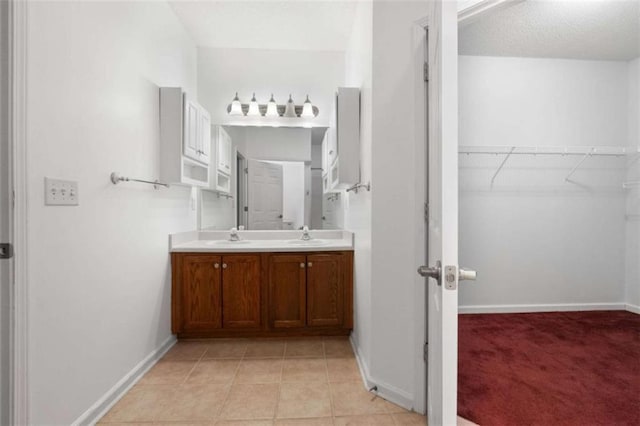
17 140
419 41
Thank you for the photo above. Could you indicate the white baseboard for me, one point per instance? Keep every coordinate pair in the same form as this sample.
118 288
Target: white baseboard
385 390
113 395
633 308
499 309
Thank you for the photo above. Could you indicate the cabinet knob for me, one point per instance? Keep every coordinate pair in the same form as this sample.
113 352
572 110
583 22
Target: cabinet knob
310 264
216 265
224 266
302 264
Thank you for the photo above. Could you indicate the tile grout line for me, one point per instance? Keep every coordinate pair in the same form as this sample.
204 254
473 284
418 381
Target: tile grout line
275 412
230 384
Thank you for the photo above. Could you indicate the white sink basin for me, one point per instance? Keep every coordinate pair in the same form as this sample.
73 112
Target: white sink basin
228 242
311 242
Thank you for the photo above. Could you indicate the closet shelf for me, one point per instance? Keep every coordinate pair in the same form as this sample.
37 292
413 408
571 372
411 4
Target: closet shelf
610 151
584 151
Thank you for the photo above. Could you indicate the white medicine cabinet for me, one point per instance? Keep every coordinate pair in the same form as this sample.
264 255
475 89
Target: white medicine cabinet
341 143
185 139
221 174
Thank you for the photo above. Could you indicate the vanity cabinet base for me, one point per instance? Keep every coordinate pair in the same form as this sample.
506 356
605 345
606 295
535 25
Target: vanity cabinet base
217 295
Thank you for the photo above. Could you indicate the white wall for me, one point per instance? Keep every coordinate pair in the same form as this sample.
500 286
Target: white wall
389 235
632 289
357 214
535 239
277 144
398 179
99 273
222 72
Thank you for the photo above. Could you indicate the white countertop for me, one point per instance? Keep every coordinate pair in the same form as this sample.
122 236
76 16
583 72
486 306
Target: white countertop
260 241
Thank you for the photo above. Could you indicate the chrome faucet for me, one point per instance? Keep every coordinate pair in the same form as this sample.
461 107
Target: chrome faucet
305 234
233 236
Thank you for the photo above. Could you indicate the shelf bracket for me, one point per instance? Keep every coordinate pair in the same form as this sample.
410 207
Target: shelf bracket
493 179
577 166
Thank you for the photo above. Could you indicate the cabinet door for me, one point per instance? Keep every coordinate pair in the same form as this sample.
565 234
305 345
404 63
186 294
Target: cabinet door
190 142
325 289
201 293
287 290
205 136
241 291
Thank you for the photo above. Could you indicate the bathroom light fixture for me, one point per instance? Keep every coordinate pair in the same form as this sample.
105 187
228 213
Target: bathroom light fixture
272 108
307 109
236 106
254 108
290 109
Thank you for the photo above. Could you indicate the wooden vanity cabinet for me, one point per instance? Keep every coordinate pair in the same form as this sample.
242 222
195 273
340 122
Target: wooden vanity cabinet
212 292
262 294
201 293
307 290
325 290
287 290
241 291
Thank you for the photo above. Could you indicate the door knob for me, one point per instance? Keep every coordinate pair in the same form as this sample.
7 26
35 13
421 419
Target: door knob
467 274
302 264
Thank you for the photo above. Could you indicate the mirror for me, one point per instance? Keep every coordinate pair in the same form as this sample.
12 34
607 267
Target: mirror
266 178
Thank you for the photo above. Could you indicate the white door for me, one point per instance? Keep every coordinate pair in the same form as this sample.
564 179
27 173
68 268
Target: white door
265 195
442 294
190 141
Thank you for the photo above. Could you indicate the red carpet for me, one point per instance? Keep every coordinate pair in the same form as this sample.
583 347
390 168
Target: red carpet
566 368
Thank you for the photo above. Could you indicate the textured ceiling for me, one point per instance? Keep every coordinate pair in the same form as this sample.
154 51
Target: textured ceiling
580 29
271 24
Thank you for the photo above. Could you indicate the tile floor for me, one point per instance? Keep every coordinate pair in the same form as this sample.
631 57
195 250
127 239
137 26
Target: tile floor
307 381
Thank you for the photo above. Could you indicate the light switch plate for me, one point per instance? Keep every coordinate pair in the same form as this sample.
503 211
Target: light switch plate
58 192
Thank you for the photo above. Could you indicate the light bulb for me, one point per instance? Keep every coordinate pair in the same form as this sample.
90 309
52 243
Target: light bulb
254 109
290 109
307 109
236 106
272 108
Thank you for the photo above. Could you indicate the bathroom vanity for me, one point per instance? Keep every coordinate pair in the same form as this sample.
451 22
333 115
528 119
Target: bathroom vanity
270 283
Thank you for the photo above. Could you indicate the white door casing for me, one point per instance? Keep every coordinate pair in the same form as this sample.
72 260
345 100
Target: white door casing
5 220
443 213
265 195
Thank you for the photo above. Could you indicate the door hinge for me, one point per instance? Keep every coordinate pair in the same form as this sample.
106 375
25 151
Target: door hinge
426 71
6 251
246 208
426 212
246 170
426 351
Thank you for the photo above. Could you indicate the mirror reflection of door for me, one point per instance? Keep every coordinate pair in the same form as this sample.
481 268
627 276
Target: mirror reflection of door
265 191
329 212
